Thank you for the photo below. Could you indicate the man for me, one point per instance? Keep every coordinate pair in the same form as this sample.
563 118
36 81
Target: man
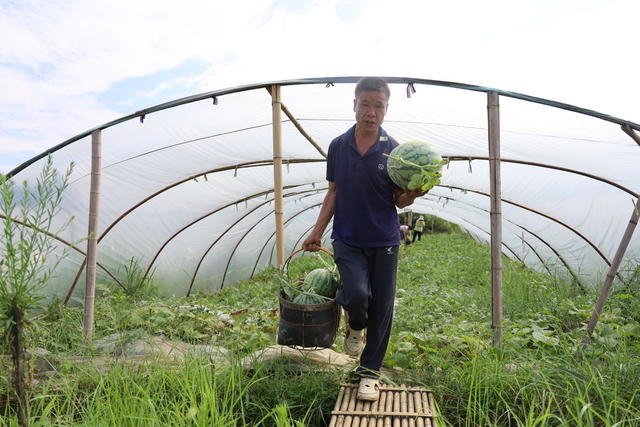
362 199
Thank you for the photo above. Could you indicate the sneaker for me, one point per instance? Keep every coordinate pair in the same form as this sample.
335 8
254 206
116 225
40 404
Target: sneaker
369 389
353 342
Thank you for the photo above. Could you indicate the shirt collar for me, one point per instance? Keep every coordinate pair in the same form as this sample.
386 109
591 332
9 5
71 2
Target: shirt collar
383 137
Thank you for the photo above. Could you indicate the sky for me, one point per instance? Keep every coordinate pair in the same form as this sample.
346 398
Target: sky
68 66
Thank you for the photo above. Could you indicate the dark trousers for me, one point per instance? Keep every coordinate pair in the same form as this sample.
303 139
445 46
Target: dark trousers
417 234
368 287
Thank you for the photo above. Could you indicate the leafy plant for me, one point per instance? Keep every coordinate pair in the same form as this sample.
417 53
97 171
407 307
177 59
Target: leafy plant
135 282
27 243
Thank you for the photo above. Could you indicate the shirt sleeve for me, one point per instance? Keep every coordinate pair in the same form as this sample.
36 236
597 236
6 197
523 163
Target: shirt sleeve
331 161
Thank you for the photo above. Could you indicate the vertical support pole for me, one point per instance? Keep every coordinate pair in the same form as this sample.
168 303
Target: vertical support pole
493 113
613 270
92 242
276 109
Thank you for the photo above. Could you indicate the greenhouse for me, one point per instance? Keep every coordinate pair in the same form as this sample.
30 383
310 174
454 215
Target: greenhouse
187 187
210 190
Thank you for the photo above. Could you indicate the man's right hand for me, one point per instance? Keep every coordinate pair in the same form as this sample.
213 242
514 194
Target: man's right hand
312 243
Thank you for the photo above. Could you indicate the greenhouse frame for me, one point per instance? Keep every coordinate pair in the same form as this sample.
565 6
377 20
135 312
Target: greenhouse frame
210 189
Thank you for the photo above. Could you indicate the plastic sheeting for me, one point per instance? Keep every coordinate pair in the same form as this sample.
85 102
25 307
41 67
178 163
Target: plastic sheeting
188 192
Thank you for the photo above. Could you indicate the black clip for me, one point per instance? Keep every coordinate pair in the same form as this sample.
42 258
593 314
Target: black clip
142 118
330 84
215 100
410 90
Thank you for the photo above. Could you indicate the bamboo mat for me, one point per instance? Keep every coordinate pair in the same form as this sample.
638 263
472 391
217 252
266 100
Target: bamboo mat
397 407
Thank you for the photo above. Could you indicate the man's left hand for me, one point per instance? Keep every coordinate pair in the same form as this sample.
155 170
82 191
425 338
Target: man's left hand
405 197
414 194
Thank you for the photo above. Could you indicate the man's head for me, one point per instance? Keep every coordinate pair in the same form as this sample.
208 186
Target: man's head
371 102
374 84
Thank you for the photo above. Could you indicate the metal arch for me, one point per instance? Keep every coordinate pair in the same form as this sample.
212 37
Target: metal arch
538 213
205 216
243 165
547 166
489 233
255 265
63 241
176 145
544 215
511 222
267 162
273 247
195 273
566 265
324 80
252 227
193 277
270 161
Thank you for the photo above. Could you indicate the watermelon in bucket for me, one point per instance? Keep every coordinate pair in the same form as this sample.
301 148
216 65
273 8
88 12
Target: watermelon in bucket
415 165
309 314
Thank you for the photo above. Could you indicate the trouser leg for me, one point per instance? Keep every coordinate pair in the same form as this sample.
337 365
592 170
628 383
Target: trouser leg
368 287
382 266
355 291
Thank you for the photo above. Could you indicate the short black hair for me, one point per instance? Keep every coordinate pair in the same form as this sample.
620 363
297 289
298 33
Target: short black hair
375 84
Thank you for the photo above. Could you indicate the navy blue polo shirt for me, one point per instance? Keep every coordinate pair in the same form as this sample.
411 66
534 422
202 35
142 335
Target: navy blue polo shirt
365 214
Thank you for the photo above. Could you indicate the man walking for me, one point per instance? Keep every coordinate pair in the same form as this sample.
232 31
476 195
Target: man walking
362 200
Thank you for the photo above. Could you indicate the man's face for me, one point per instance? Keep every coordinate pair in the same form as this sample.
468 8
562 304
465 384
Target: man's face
370 108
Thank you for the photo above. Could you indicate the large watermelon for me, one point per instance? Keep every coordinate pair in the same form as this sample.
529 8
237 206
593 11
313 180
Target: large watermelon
415 165
308 299
321 281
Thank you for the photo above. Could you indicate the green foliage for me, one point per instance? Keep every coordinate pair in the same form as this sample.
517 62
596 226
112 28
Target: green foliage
27 243
26 237
135 280
441 340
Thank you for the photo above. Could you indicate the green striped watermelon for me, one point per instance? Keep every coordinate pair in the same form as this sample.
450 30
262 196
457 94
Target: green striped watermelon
414 165
308 299
321 281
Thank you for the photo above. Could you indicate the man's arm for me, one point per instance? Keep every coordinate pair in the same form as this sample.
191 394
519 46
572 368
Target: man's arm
313 242
404 198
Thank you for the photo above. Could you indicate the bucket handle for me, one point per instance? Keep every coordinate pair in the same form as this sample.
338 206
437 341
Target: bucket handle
285 266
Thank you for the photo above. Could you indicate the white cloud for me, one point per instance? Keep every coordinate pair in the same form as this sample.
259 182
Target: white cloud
56 56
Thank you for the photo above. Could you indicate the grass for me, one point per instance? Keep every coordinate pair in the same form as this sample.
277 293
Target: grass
441 339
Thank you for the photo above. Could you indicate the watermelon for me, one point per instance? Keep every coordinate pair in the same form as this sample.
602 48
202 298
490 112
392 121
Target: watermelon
321 281
307 299
414 165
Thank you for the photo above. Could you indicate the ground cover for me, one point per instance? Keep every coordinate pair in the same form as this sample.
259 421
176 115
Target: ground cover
441 340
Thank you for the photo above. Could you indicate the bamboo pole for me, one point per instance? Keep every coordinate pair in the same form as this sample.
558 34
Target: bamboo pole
298 126
276 109
92 242
615 264
629 131
493 110
617 259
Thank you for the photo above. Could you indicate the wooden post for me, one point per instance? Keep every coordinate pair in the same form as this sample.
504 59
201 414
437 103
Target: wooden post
493 110
92 242
617 259
615 264
276 108
627 129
